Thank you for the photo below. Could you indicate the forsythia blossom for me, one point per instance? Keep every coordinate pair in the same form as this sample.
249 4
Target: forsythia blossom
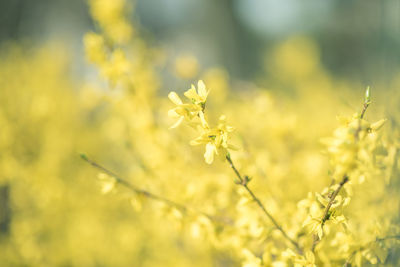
107 183
351 143
106 49
95 48
198 97
215 139
351 149
111 17
200 217
307 260
192 110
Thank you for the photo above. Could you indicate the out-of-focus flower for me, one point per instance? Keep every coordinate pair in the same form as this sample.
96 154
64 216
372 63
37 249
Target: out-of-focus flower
117 67
186 66
95 48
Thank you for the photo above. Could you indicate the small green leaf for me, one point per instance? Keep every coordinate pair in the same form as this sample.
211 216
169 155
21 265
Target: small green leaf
83 156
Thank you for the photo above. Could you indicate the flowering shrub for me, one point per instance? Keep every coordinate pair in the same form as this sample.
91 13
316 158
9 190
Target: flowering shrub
182 186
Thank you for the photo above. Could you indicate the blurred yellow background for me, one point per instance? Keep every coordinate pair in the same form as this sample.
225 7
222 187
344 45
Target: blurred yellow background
93 77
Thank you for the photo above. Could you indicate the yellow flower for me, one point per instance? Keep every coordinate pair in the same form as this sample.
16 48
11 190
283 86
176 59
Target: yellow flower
111 17
315 225
307 261
250 260
198 97
117 67
182 111
216 140
192 110
107 183
95 48
186 66
377 125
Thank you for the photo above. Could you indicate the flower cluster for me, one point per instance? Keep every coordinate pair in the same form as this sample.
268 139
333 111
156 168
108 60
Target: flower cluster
216 138
306 260
351 144
316 206
352 154
282 209
111 17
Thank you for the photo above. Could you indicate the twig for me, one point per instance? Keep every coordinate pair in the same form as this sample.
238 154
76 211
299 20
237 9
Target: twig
243 181
326 214
148 194
365 106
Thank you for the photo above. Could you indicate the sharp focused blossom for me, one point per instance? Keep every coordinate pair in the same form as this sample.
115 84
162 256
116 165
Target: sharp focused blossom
216 140
198 97
192 110
182 111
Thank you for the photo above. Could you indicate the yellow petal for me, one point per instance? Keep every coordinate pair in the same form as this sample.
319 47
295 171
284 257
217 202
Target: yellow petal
203 120
198 141
108 186
320 232
175 98
307 221
230 129
310 256
209 154
173 114
176 124
201 88
232 147
192 94
377 125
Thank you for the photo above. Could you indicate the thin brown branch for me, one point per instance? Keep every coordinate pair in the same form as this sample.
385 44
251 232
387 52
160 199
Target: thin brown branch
326 214
365 107
243 181
133 188
345 179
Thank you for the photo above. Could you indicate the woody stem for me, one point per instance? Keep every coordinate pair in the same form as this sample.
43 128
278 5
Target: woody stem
243 181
